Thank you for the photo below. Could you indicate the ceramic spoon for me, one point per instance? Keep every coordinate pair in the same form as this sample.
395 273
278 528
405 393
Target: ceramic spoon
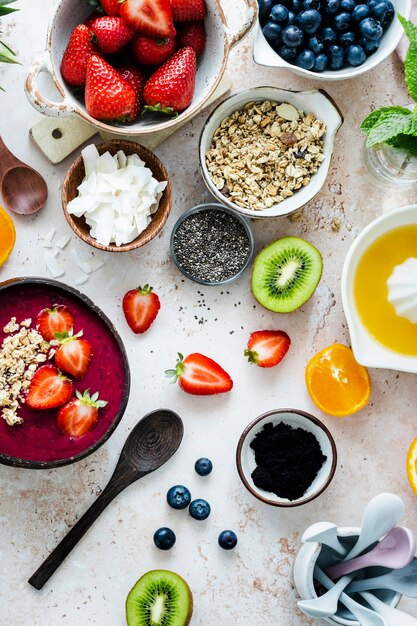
325 533
23 189
365 616
402 580
150 444
392 617
395 550
381 514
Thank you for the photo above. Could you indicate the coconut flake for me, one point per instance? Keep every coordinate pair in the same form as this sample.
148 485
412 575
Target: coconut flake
81 280
63 241
54 268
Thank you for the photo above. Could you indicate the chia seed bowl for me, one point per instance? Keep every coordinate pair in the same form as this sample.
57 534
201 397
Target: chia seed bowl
212 244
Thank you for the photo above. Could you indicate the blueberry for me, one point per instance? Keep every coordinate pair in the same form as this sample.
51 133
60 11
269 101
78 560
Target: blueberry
346 39
369 46
371 3
328 35
360 12
320 63
292 35
199 509
164 538
291 17
370 29
296 6
315 44
279 14
355 55
178 497
336 57
311 4
347 5
342 21
287 53
203 466
384 12
265 7
272 32
227 540
305 59
309 21
332 7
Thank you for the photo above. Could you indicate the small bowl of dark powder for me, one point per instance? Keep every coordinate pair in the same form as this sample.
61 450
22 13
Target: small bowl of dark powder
286 457
212 244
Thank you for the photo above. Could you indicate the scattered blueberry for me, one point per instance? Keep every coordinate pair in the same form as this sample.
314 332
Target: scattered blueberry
369 46
311 4
292 35
342 21
332 6
164 538
178 497
316 44
227 540
320 63
296 6
287 53
328 35
346 39
272 31
355 55
309 21
291 17
265 7
383 12
279 14
360 12
199 509
371 29
336 57
203 466
347 5
305 59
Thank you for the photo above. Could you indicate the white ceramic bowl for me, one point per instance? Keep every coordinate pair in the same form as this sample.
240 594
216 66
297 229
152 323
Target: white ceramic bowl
304 564
263 54
367 350
245 456
211 66
314 101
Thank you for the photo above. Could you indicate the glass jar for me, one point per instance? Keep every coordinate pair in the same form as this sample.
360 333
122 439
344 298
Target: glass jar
391 166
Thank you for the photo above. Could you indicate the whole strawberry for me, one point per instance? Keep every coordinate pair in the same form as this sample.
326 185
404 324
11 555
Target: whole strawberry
137 80
188 10
152 50
110 7
112 34
91 18
171 88
107 95
79 50
192 34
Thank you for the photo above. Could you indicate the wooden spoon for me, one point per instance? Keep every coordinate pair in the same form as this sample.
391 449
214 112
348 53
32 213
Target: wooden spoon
151 443
23 188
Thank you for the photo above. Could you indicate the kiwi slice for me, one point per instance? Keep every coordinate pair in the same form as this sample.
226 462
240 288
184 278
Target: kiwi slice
159 598
286 274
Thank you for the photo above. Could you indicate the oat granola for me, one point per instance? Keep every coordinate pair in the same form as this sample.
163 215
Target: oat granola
264 153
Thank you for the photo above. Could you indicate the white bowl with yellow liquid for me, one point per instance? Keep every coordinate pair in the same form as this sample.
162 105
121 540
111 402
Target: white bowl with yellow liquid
380 338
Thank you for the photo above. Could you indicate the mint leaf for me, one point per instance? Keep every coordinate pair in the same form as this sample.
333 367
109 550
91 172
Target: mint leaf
404 142
410 69
373 118
388 127
409 28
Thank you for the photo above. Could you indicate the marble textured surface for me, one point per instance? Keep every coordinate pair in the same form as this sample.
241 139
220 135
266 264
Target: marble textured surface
252 585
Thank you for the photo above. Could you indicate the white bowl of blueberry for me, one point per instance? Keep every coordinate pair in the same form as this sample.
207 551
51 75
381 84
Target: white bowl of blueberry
328 39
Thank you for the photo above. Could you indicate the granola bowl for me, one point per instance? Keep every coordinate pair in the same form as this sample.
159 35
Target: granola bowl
250 175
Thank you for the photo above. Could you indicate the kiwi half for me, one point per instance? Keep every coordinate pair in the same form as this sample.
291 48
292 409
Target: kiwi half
159 598
286 274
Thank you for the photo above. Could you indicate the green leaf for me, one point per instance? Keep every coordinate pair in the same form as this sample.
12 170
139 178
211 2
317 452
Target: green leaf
6 54
410 69
373 118
390 126
404 142
4 9
410 29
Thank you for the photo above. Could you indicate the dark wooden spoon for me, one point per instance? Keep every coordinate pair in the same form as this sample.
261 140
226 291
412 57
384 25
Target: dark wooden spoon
151 443
23 188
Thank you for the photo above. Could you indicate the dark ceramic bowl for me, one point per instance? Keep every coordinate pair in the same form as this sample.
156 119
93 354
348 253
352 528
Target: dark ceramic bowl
38 443
245 456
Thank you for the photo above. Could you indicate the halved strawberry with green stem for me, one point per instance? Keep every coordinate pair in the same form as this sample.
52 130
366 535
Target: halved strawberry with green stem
80 415
149 17
48 389
199 375
74 354
267 348
141 306
57 319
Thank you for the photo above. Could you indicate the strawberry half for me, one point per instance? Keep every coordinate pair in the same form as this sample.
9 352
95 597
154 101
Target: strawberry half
107 95
136 79
188 10
152 50
141 307
77 53
112 34
58 319
48 389
171 88
80 415
192 34
74 354
199 375
149 17
267 348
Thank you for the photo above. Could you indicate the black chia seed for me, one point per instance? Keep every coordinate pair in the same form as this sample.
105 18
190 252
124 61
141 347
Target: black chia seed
211 245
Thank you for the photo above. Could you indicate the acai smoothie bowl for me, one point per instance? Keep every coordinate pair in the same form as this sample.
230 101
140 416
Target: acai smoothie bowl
64 374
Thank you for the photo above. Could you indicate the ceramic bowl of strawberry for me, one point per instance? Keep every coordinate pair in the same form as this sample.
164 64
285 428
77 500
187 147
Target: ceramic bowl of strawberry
72 379
184 82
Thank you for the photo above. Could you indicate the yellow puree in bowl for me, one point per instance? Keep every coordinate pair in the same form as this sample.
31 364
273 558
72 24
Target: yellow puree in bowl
371 291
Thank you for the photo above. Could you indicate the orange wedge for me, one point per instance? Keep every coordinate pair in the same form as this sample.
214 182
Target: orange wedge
412 466
7 235
336 382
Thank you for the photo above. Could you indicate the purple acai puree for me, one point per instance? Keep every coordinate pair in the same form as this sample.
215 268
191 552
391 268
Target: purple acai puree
38 438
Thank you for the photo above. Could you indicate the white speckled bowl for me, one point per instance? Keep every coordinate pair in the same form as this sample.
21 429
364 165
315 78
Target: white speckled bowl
263 54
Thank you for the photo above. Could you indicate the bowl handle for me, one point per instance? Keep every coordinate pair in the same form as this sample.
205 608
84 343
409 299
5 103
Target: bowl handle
39 101
250 18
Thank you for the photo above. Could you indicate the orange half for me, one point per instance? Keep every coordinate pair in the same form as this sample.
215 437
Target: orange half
7 235
412 466
336 382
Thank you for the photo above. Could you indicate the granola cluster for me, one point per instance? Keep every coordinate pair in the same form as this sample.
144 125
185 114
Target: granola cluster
264 153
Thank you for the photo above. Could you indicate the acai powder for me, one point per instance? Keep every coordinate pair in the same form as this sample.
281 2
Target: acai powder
211 245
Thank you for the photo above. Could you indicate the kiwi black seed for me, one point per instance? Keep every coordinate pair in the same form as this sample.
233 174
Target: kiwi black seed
159 598
286 274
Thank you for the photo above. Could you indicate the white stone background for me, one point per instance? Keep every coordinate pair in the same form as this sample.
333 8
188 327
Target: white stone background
253 585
